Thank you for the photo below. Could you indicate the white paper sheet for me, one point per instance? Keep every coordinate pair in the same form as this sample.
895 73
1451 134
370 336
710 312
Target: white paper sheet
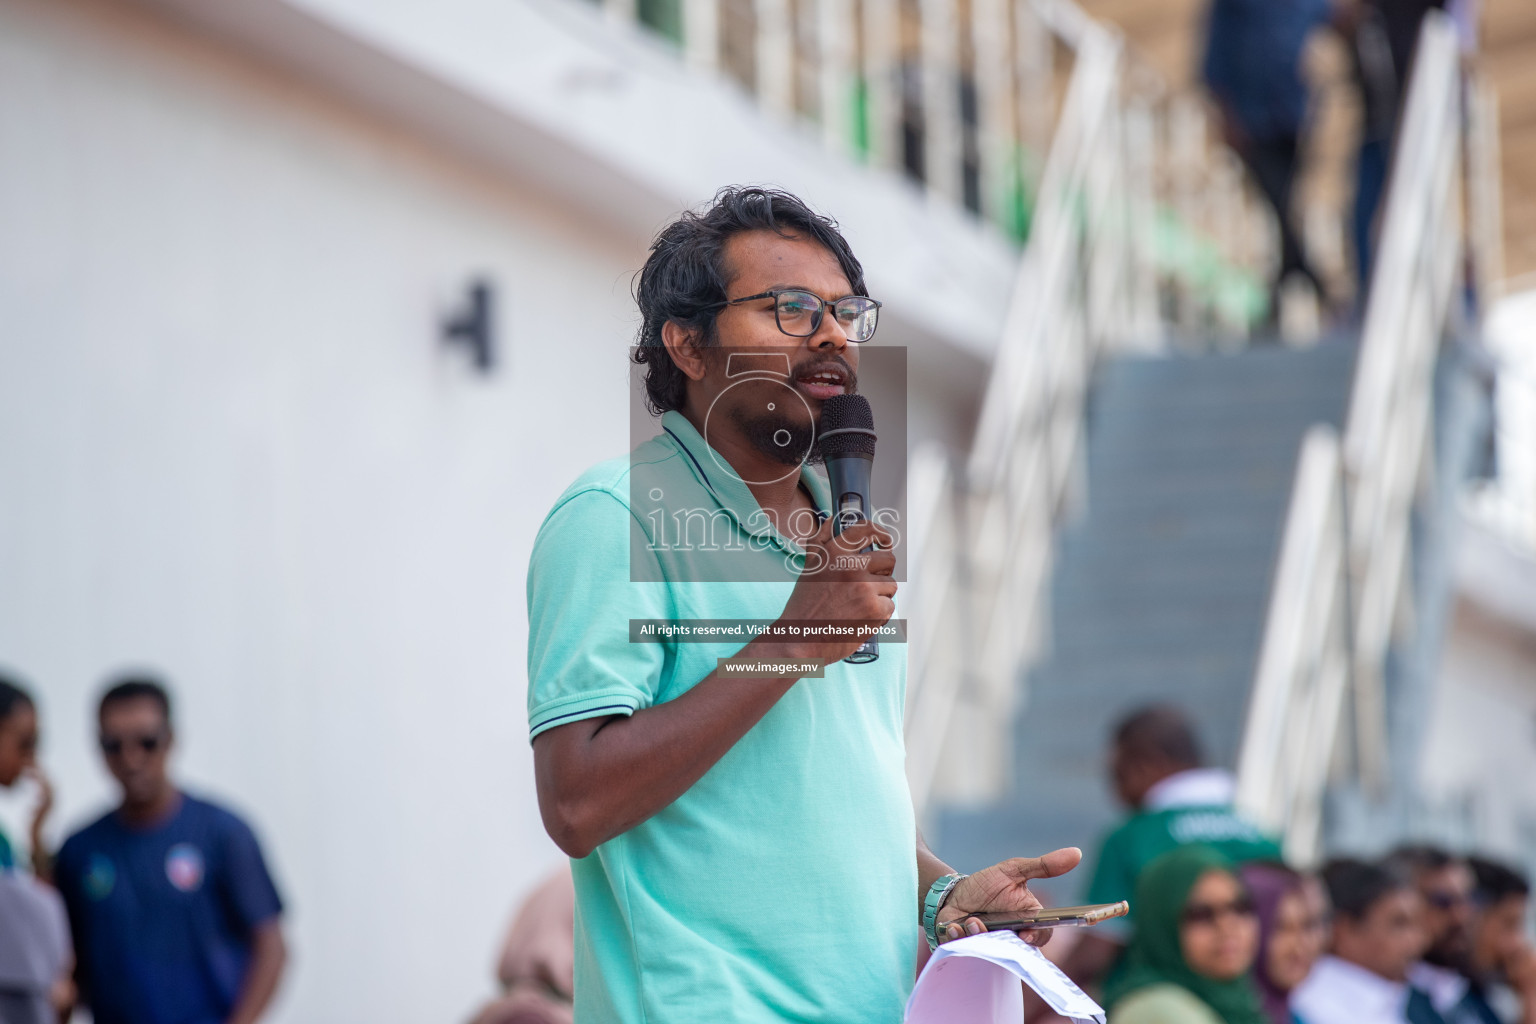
975 980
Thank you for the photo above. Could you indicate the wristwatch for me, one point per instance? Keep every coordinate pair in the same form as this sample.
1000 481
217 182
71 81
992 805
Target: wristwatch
938 892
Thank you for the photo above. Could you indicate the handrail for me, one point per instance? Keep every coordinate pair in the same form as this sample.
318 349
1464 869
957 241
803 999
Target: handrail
1294 711
1019 469
1298 693
1087 282
1413 296
935 612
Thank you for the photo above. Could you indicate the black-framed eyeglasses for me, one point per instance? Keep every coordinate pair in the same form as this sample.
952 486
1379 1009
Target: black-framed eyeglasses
113 746
799 312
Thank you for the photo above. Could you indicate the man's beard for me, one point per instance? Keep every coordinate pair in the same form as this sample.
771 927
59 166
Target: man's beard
765 430
1453 952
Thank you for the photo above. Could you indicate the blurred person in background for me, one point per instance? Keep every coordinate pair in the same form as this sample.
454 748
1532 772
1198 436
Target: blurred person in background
1196 938
1503 962
1383 35
175 917
18 760
537 967
1252 68
1445 884
1292 935
1378 935
1159 773
35 958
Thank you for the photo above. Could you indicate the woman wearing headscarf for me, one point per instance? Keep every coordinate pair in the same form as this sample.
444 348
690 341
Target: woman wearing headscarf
1291 935
1196 936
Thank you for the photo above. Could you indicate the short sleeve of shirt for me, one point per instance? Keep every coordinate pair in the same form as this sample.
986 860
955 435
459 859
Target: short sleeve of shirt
246 882
580 600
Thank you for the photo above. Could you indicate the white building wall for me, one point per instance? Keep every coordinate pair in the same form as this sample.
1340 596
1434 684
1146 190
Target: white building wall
233 450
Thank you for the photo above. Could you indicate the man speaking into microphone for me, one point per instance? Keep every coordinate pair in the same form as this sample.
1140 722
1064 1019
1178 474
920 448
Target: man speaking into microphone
743 845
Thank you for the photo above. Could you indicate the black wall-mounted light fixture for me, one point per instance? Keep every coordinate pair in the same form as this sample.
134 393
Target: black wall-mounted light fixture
474 326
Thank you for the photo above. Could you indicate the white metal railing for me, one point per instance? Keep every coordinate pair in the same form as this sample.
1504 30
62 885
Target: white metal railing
1089 280
935 615
961 94
1018 471
886 79
1298 692
1384 457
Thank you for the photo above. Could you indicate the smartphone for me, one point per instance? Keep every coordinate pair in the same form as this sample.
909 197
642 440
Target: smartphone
1053 917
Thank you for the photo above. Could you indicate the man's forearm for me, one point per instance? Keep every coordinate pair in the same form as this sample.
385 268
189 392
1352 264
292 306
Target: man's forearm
268 955
601 777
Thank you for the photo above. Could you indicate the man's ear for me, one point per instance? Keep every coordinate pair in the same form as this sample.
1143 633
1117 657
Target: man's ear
682 347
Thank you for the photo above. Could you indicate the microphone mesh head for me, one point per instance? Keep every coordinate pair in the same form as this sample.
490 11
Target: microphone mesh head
849 413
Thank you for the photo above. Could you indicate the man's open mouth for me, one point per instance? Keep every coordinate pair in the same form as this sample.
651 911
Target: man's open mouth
822 382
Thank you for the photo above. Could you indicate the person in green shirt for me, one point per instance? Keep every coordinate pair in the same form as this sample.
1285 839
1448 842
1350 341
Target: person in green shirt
743 848
1174 800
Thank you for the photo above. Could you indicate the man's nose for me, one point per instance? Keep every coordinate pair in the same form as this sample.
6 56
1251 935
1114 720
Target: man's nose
830 335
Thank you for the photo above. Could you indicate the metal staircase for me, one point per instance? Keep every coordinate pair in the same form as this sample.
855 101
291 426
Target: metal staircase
1161 585
1253 540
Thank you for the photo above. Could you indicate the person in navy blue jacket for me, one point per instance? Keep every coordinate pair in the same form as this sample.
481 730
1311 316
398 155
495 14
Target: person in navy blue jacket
174 914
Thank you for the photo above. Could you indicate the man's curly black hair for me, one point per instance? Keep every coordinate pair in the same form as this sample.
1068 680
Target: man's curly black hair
685 277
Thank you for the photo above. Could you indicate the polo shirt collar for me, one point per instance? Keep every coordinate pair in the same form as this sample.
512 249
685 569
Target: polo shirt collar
726 486
1193 787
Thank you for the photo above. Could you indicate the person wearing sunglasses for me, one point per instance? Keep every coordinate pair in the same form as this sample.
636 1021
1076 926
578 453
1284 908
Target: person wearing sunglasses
1173 797
174 913
1195 941
1376 937
1446 884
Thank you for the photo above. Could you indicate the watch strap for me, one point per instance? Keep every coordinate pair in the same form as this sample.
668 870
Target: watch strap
938 892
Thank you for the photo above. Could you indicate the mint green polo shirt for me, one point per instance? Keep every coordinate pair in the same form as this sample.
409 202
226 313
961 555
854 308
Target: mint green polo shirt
783 885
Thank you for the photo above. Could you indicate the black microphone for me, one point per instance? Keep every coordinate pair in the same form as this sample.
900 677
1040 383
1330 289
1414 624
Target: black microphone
846 441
